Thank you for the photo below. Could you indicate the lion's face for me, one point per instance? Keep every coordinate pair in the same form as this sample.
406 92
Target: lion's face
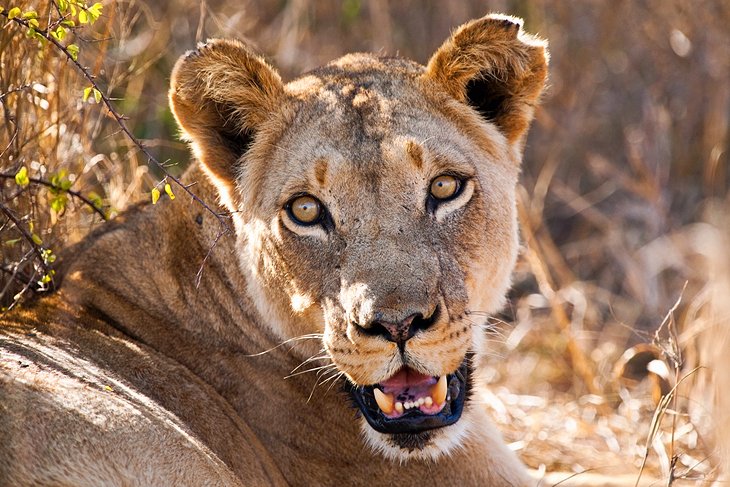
376 208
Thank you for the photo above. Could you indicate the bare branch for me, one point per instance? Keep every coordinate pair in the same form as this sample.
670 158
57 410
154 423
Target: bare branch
37 249
73 193
120 119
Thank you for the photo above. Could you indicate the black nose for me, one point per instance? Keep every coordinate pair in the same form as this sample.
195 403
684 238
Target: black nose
402 331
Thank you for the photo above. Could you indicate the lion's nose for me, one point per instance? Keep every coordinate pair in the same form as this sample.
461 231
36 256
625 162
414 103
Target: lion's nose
402 331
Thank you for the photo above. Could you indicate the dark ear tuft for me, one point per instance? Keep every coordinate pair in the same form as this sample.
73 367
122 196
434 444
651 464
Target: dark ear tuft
220 94
492 65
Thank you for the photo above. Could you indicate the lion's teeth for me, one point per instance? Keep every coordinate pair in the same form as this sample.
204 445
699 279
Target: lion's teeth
385 401
399 407
438 393
428 401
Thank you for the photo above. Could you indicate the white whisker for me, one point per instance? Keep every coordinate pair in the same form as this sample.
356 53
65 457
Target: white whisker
313 369
311 359
310 336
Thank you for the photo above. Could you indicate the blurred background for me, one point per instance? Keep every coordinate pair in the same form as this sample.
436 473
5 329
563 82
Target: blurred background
623 193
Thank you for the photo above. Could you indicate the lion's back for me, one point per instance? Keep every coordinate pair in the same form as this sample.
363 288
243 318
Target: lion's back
80 407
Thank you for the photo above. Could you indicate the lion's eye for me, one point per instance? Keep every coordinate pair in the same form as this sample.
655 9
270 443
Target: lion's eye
305 210
445 187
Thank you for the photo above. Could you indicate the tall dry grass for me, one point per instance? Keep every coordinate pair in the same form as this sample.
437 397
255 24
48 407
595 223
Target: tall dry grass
630 145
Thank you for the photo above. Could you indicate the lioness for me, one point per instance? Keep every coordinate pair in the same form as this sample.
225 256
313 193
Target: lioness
373 201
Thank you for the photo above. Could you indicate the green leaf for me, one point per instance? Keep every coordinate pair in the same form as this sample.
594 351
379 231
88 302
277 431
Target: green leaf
73 50
48 256
60 33
96 200
58 203
63 6
34 23
13 12
87 92
12 241
168 190
36 239
30 14
21 177
95 12
83 17
58 179
155 195
97 95
69 23
2 9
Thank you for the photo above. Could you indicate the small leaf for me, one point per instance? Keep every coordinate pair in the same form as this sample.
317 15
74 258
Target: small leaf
155 195
83 17
36 239
95 12
168 190
97 95
58 178
2 9
59 34
68 23
96 200
12 241
34 23
13 12
48 256
21 177
87 92
73 50
58 203
30 14
63 6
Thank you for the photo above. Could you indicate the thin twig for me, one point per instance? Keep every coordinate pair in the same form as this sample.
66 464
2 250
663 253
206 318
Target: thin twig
73 193
28 237
14 90
120 120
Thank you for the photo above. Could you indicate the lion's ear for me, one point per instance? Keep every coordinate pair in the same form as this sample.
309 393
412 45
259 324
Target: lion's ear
220 94
492 65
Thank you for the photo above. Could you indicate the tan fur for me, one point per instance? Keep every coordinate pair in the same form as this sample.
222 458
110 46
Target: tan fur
132 375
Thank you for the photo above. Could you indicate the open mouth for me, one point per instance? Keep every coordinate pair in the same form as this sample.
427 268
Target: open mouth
411 402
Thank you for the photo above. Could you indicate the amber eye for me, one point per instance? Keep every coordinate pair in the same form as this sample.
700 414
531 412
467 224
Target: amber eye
445 187
305 210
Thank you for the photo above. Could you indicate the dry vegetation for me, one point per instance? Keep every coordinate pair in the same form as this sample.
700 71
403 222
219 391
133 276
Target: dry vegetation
625 157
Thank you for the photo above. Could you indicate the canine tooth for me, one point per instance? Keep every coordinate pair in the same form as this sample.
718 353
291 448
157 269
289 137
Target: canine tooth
399 407
385 401
428 401
438 393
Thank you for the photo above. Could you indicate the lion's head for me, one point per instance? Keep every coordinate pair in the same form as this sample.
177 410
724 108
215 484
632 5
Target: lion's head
374 204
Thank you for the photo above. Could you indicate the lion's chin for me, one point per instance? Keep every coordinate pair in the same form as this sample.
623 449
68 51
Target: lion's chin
425 446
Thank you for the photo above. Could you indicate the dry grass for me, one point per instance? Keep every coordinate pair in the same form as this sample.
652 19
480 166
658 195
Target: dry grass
628 150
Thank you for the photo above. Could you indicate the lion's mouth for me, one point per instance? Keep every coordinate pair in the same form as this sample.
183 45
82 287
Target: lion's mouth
411 402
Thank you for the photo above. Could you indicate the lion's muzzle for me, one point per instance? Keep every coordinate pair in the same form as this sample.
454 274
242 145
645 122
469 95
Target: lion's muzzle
411 402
